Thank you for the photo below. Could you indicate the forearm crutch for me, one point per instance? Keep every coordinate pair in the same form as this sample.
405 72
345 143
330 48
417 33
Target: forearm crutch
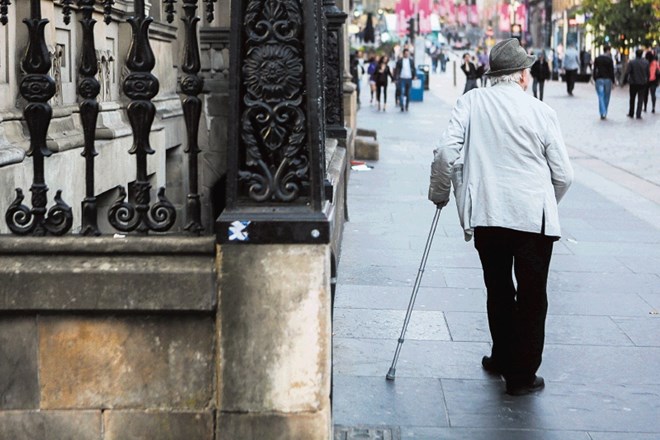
434 224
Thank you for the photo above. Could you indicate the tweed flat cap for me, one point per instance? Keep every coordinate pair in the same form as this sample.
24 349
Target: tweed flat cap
508 56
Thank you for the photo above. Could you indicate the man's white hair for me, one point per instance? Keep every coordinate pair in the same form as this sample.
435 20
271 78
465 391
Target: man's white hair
514 77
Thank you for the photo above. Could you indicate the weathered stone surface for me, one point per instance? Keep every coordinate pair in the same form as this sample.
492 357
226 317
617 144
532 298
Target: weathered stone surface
366 149
301 426
128 362
50 425
161 425
367 132
82 273
275 322
19 387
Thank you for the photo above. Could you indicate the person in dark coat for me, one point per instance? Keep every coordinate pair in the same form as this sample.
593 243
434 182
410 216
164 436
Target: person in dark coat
381 77
540 73
637 75
404 73
470 72
604 78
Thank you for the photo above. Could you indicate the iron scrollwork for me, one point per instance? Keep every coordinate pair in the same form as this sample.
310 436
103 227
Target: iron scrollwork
37 87
141 86
273 120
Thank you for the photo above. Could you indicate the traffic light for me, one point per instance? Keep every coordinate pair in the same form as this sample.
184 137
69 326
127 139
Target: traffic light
411 29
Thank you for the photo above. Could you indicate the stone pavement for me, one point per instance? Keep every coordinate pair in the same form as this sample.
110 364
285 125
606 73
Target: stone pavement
602 356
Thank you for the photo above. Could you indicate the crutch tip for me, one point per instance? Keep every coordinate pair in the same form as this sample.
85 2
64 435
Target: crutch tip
391 374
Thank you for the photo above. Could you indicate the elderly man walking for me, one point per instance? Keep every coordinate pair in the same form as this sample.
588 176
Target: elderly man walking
504 152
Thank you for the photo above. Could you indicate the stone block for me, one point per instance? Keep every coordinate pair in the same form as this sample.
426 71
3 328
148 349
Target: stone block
366 132
82 273
297 426
128 362
161 425
366 149
19 386
275 322
50 425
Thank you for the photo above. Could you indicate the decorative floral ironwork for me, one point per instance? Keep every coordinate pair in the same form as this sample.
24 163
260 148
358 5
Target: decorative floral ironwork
273 73
273 122
37 87
141 86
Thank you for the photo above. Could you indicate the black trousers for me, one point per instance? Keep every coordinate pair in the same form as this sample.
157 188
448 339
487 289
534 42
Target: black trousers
571 76
516 312
636 91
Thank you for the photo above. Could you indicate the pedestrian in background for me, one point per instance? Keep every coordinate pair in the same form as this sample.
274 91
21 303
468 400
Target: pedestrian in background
371 70
571 65
652 85
470 72
540 73
515 170
482 58
603 74
381 77
443 61
404 72
637 76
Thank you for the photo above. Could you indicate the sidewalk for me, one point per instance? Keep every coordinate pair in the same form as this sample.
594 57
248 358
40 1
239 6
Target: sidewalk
602 356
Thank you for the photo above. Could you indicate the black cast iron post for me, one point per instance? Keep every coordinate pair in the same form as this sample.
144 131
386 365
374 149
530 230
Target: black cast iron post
88 90
192 85
141 86
37 87
334 86
275 173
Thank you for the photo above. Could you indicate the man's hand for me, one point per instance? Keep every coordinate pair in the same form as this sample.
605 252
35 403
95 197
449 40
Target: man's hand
442 204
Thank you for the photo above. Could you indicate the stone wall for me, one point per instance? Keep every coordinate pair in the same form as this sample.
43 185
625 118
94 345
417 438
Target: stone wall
105 338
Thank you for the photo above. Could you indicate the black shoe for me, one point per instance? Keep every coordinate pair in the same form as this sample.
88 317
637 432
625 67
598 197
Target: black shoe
629 115
639 117
490 366
520 390
602 116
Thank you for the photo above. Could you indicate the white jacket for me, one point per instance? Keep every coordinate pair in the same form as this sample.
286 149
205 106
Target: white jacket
516 168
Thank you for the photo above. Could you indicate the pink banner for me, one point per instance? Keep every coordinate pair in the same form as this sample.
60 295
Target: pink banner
462 14
404 11
521 16
505 21
443 10
424 16
474 14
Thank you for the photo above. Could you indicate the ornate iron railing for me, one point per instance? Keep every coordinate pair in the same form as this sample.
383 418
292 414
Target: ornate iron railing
279 89
38 87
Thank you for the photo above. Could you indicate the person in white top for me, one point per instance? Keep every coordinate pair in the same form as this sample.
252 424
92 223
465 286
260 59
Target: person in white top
509 149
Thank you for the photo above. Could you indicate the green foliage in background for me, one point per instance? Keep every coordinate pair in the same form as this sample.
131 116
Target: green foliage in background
627 23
